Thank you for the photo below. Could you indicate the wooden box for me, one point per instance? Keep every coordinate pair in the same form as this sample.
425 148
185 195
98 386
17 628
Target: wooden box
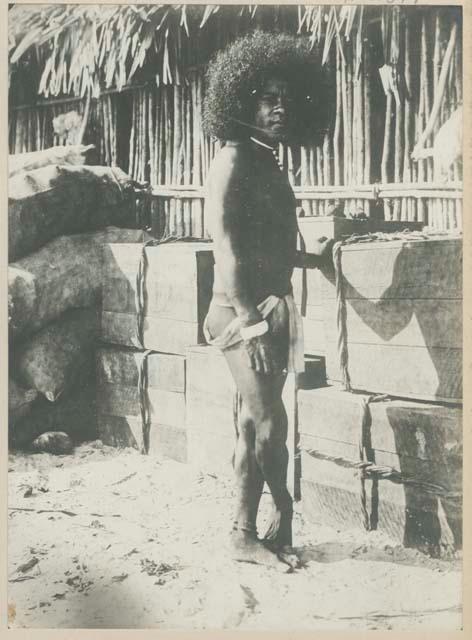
421 441
211 429
403 318
177 293
118 401
314 227
308 283
314 375
307 292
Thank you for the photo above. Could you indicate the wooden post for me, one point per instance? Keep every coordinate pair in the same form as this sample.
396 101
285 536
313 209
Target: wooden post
197 205
426 88
304 181
337 123
289 399
398 150
386 152
319 172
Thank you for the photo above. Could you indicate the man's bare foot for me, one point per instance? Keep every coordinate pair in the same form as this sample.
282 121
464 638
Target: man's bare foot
287 554
279 532
246 547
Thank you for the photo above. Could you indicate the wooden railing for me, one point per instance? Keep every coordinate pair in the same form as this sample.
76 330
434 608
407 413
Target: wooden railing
335 192
179 209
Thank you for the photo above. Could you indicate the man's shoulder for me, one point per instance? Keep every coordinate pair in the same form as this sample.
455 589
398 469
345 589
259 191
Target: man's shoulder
231 160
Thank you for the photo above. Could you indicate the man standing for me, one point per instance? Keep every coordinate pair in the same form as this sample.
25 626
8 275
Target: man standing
257 97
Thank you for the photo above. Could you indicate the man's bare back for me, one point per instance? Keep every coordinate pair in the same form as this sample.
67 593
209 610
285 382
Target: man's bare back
246 179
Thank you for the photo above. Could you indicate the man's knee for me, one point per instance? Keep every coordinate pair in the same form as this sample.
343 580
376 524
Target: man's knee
271 431
273 423
267 413
246 426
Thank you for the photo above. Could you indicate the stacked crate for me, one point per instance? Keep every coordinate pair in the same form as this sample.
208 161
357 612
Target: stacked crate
155 299
309 284
416 447
212 409
403 316
175 280
403 337
120 399
186 408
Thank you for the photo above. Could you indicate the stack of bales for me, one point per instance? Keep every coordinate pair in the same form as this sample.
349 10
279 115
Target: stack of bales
381 445
155 299
59 216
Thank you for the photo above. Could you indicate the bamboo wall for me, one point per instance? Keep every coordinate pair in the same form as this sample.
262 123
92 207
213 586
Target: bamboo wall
423 44
363 164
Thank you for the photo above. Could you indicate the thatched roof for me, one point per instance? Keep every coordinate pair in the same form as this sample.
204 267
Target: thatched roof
76 48
73 49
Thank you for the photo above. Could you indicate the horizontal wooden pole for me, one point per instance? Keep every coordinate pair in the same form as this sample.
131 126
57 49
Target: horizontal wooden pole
420 193
47 103
334 195
178 192
443 186
336 192
50 102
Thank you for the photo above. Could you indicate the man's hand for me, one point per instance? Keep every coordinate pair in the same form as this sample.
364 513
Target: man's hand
326 258
262 355
319 256
324 249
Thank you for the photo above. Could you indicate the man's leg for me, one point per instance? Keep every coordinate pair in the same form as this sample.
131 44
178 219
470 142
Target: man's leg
260 450
279 532
249 479
262 400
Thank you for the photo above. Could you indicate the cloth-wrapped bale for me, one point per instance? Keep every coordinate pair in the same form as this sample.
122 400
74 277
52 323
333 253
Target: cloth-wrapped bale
65 274
56 200
56 442
74 413
20 400
51 359
70 154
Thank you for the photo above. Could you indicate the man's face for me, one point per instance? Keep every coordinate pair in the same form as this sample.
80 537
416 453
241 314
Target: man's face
272 113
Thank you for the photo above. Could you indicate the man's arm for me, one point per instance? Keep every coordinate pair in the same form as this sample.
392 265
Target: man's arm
318 257
224 206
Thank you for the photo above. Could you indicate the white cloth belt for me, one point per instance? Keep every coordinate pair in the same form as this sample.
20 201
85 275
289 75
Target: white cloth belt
231 334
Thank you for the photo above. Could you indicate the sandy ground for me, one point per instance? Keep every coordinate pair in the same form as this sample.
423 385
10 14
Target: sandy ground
111 539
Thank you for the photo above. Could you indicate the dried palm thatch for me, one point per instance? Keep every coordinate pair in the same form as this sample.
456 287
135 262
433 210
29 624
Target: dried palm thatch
159 52
82 48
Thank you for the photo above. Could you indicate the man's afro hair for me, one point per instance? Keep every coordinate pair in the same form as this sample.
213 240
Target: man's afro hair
236 73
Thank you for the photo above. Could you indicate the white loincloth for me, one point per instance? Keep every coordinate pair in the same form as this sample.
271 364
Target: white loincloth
231 334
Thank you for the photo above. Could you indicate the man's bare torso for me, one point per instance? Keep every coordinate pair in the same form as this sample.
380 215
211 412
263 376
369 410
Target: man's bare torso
266 230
